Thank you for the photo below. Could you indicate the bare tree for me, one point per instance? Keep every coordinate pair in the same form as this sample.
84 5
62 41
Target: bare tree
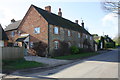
111 6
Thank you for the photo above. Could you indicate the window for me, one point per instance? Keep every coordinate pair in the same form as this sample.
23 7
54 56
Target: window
19 32
90 38
16 44
12 33
56 30
69 44
79 45
37 30
56 44
78 35
31 44
69 33
86 36
1 43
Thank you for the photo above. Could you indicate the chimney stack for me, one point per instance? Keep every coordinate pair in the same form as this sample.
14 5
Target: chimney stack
82 24
76 21
13 20
48 8
60 13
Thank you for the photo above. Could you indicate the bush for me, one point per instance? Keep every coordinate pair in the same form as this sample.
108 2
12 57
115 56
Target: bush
40 48
74 50
110 45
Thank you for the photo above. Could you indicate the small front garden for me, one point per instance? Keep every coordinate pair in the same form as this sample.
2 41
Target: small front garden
76 53
19 64
77 56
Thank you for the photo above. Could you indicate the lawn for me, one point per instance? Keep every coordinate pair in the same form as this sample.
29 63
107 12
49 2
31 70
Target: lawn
77 56
20 64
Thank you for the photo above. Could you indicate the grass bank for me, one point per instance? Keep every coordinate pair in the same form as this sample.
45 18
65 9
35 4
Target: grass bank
77 56
20 64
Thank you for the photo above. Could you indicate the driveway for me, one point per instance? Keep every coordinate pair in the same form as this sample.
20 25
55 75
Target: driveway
49 61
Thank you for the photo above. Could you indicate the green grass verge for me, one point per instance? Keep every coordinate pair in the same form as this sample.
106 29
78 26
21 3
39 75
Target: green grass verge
76 56
20 64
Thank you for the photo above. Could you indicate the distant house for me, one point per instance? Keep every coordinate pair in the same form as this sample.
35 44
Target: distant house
104 41
3 37
42 27
109 42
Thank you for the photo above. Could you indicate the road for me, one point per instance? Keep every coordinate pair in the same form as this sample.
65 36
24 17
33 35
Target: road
101 66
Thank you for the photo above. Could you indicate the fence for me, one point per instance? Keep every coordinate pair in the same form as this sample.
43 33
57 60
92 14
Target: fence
10 53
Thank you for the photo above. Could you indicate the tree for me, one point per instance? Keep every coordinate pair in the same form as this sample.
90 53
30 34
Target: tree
117 40
111 6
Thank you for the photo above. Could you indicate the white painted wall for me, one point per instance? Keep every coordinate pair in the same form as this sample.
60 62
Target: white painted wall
95 47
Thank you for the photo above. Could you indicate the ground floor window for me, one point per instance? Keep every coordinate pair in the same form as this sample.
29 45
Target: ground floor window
56 44
79 45
69 44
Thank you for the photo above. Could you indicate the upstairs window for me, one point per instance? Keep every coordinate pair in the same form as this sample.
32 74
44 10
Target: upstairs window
31 44
56 30
12 33
37 30
90 38
19 32
78 35
69 33
86 36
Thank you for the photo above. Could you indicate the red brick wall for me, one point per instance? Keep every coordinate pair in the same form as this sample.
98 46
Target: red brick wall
31 20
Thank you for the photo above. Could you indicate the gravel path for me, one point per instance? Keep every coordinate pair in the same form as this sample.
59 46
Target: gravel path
49 61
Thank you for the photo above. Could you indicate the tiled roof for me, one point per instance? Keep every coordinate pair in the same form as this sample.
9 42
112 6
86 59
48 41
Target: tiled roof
3 36
13 26
60 21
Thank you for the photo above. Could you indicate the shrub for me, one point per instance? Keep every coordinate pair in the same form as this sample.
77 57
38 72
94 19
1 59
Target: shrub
63 50
110 45
74 49
40 48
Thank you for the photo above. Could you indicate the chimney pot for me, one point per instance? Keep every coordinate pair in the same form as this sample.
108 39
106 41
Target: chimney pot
82 24
48 8
13 20
76 21
60 13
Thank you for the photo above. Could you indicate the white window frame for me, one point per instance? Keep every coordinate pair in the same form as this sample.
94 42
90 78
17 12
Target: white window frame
79 45
56 30
90 37
86 36
56 44
31 44
19 32
69 33
69 44
79 35
37 30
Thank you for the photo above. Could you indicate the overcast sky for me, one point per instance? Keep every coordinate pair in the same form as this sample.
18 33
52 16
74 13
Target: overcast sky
96 20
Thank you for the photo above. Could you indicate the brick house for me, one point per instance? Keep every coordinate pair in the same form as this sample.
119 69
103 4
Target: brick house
49 29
